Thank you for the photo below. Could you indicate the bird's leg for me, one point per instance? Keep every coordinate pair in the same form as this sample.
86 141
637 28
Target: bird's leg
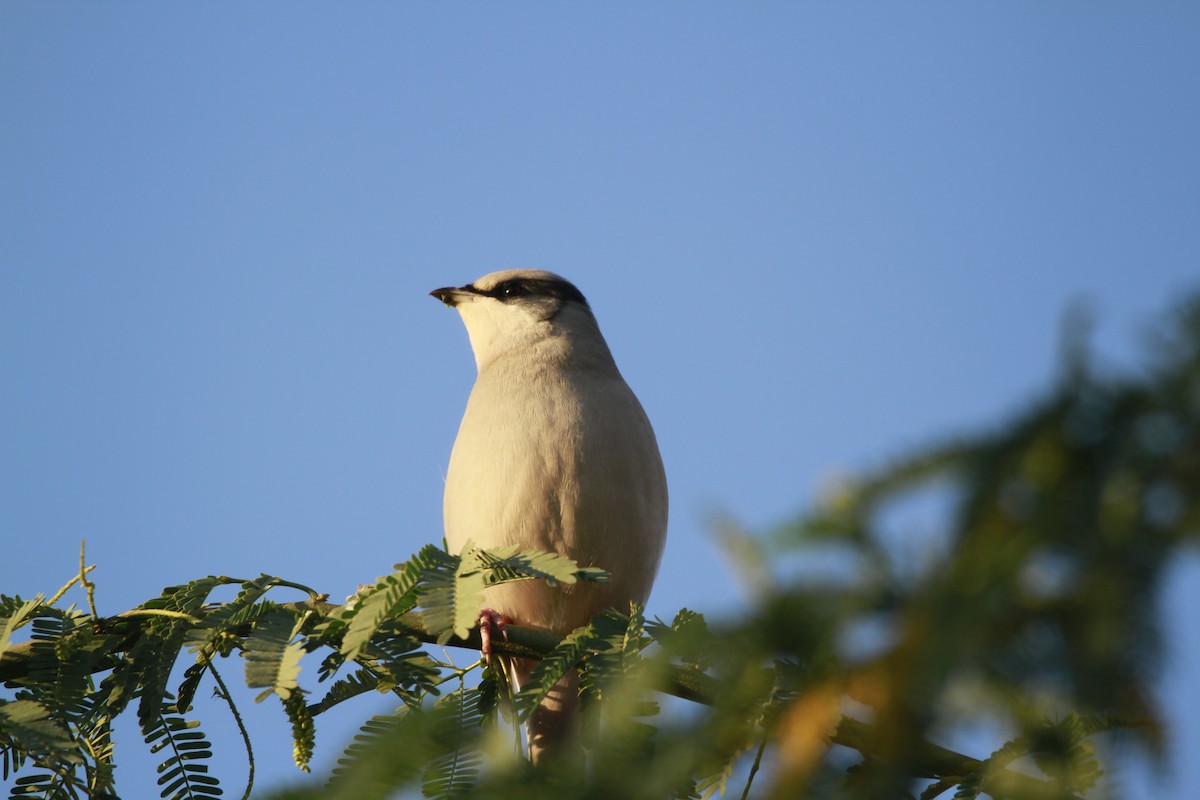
488 619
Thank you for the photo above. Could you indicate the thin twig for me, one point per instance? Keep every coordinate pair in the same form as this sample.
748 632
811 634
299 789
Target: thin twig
237 717
83 571
762 747
84 581
160 612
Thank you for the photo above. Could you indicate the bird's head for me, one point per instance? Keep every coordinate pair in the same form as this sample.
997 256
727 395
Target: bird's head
519 309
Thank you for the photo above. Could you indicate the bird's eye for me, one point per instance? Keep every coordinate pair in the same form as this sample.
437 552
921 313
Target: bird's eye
513 289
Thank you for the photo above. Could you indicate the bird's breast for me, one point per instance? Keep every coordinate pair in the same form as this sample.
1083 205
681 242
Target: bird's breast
564 463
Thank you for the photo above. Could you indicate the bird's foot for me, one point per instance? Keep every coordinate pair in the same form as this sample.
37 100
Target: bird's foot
489 619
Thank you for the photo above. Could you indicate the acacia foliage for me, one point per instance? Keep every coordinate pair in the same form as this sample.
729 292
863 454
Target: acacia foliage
1030 601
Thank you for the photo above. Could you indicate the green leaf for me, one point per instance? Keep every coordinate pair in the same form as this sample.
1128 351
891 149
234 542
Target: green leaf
392 595
505 564
181 775
451 596
387 753
551 669
225 620
346 688
452 592
27 726
155 652
272 657
616 642
18 617
455 724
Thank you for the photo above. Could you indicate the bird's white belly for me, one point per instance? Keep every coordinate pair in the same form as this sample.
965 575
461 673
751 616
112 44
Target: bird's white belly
583 480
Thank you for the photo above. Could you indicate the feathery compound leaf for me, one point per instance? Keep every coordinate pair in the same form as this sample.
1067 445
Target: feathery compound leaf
185 598
387 752
405 668
62 664
619 636
221 622
272 658
452 593
1062 750
154 654
617 642
451 596
687 638
392 595
633 637
51 785
489 691
184 744
716 782
455 725
16 617
346 688
391 662
191 681
100 747
504 564
978 779
553 667
26 726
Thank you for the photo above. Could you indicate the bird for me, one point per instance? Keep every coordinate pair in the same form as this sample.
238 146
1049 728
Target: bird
554 453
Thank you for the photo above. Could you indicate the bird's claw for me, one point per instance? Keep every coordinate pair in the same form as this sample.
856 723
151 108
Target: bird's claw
489 619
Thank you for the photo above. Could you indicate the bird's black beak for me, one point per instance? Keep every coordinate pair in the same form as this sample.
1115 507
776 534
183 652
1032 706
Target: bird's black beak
451 295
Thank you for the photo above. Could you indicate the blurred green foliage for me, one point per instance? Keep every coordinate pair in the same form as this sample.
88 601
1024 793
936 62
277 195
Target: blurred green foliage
1026 602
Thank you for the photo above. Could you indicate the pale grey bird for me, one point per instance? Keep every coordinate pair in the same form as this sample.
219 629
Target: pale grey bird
554 453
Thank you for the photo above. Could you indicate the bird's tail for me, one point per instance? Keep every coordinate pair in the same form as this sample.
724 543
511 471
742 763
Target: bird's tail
553 729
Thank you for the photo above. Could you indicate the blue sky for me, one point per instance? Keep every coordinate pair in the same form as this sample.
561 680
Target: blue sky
814 235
